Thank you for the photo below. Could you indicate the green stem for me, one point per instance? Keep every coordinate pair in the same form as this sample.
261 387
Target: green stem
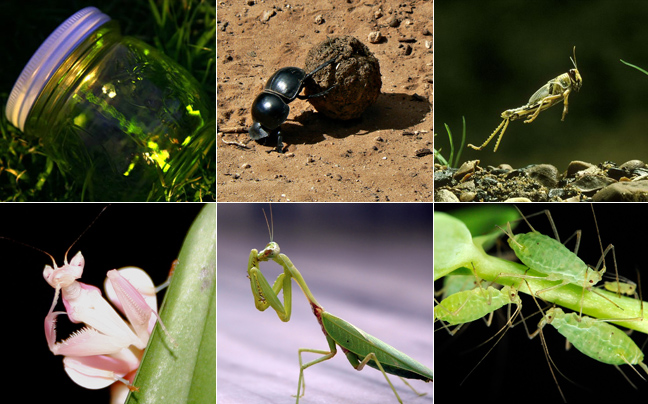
498 270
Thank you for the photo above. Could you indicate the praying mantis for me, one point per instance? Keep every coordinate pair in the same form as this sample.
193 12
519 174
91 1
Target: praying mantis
360 348
122 235
108 349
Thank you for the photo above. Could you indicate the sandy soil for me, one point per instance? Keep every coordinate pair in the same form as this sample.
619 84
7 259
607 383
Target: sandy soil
380 157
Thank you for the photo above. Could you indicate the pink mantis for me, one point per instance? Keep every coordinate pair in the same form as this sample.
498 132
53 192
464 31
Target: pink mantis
107 349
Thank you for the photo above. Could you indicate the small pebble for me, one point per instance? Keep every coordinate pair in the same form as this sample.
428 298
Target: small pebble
265 17
375 37
393 21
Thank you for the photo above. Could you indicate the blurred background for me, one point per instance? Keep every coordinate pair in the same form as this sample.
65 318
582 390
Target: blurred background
492 56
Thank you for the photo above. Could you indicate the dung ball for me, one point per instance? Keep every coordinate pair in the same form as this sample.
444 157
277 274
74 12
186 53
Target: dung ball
355 75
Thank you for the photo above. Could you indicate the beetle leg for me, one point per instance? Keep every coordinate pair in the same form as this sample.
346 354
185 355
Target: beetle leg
305 97
320 67
280 145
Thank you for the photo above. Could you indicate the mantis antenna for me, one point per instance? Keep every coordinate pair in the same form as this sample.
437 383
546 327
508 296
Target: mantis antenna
82 233
68 250
270 232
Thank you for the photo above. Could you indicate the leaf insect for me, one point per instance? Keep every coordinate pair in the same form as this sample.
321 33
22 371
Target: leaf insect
359 347
552 93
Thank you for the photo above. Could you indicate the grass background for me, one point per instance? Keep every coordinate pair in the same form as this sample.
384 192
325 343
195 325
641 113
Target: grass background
185 30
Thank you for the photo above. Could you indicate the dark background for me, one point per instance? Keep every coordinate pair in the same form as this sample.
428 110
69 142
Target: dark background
517 366
145 235
493 55
28 24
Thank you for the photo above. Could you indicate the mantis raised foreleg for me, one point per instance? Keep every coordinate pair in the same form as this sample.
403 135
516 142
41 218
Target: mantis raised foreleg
359 347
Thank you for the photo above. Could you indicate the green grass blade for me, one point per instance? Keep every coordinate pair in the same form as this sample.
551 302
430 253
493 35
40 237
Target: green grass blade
185 373
156 13
451 159
438 156
463 142
636 67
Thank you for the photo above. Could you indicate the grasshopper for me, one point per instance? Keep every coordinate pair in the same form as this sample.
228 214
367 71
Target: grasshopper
552 93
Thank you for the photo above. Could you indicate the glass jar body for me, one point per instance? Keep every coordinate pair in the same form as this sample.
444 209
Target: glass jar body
126 122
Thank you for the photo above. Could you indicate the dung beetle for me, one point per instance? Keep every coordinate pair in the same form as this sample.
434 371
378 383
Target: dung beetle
270 108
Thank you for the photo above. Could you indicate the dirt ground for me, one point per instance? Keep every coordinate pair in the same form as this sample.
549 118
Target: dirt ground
383 156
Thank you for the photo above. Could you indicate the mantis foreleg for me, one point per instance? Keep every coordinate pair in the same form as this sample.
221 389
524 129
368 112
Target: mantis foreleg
266 296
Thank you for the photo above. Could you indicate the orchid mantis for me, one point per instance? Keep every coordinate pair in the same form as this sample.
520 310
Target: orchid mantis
107 349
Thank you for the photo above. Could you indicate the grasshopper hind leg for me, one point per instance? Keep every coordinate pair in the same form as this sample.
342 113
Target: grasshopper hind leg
501 126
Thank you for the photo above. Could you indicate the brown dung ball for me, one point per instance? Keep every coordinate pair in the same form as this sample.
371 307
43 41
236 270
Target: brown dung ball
356 73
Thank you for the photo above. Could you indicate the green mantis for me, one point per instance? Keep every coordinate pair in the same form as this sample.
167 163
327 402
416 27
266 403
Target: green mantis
552 93
360 348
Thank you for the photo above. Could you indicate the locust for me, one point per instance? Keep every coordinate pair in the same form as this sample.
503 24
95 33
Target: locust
360 348
553 92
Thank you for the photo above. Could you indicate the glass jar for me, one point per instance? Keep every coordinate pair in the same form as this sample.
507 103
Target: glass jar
122 119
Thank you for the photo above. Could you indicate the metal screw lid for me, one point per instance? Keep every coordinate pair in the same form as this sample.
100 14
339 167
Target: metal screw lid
47 59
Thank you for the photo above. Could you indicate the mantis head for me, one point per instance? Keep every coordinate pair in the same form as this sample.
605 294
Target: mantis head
269 252
67 274
574 75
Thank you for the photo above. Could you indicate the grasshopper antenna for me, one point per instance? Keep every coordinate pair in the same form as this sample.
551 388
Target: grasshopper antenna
574 59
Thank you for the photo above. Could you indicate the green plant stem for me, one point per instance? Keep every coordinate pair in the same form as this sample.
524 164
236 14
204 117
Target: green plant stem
455 249
491 269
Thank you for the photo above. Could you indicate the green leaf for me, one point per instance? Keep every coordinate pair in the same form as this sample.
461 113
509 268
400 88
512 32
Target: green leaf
185 373
482 221
453 245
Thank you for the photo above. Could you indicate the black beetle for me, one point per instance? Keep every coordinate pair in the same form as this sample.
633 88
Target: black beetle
270 108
